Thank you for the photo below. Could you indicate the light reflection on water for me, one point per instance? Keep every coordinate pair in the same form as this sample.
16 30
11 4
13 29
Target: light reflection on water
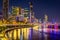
37 34
25 33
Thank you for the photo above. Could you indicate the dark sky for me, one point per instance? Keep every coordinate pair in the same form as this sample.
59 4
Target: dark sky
40 7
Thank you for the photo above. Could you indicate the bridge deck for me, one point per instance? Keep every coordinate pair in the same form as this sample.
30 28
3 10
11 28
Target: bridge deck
9 27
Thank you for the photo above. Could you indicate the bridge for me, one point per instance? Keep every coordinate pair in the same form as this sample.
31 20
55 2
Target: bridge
5 28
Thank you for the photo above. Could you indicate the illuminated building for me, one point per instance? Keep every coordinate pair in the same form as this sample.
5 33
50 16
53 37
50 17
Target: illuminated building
53 21
22 11
45 21
26 11
40 24
20 16
31 11
40 21
5 9
31 30
15 11
1 16
46 18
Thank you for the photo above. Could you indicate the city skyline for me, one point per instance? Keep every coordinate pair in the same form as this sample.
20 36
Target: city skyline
29 20
40 7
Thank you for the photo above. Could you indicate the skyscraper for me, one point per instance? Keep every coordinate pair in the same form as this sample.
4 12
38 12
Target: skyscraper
15 10
45 21
5 9
46 18
31 10
31 7
26 11
22 11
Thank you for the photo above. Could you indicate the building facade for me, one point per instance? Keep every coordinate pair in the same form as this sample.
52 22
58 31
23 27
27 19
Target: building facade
5 9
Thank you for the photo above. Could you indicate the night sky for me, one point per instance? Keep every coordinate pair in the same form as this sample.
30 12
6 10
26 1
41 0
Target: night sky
40 7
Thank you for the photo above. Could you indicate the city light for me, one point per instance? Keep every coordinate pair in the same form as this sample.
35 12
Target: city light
21 24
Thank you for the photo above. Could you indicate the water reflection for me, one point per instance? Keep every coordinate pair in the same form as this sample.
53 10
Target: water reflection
34 34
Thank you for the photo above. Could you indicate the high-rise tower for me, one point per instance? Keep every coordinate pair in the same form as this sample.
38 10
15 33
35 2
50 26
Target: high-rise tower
46 18
26 12
5 9
31 7
31 10
45 21
15 11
